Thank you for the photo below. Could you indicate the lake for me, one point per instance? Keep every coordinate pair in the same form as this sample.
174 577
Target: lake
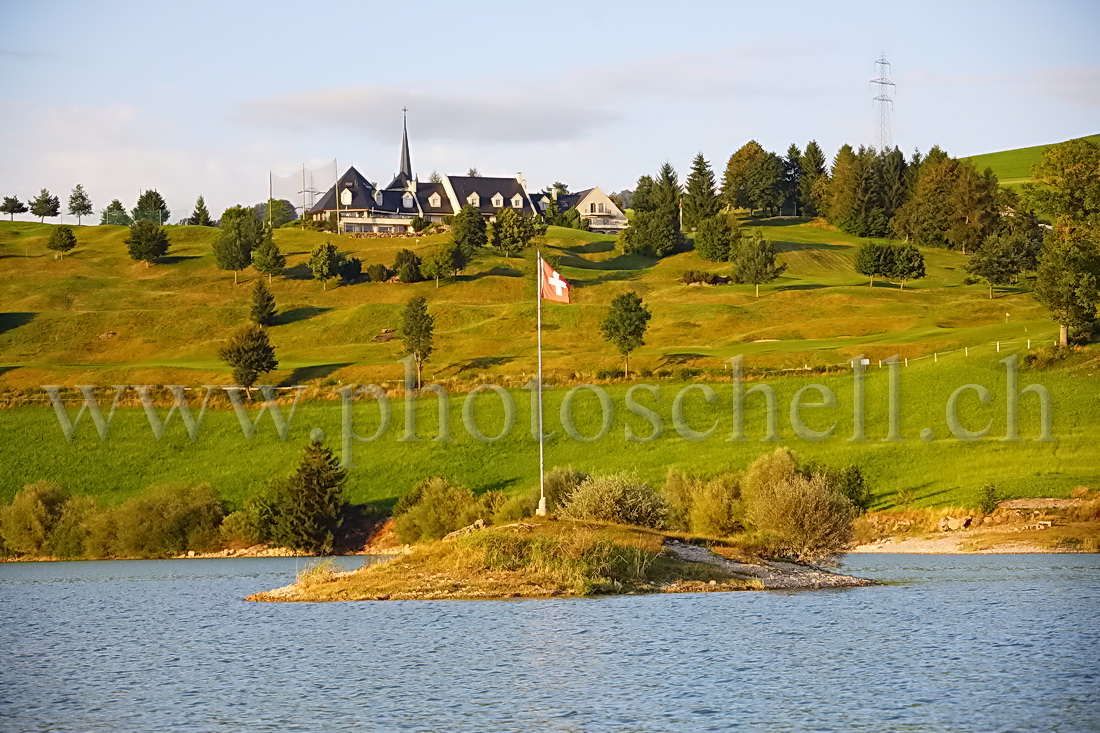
955 643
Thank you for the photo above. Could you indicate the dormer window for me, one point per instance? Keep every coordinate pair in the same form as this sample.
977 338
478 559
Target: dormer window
498 201
517 202
434 201
345 197
407 201
473 200
377 198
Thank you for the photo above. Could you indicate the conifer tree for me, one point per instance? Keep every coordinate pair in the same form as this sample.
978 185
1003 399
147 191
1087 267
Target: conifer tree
240 233
44 205
469 229
717 239
792 175
200 217
262 310
307 508
973 207
813 170
151 206
701 197
418 333
756 262
266 258
250 354
147 241
12 206
79 204
61 239
323 263
625 325
116 214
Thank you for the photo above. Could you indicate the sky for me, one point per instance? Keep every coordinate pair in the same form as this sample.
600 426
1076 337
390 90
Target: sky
206 98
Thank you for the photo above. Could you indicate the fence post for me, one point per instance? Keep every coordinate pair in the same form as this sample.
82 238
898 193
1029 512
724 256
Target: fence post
935 356
998 347
1029 344
907 361
967 350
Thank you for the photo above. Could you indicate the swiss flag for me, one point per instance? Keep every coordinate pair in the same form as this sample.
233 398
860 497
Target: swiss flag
553 287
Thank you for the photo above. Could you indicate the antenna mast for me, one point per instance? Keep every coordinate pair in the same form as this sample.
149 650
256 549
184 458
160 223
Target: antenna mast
883 102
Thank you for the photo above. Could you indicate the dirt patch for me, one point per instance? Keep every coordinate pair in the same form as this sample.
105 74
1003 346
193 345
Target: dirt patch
772 574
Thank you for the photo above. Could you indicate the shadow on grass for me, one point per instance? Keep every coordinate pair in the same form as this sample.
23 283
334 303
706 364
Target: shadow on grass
498 271
607 277
802 286
592 248
9 321
298 272
499 485
619 262
309 373
478 363
299 314
681 359
802 246
176 259
786 221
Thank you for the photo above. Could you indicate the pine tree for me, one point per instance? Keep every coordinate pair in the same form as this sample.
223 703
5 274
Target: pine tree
79 204
307 508
469 230
701 197
200 217
925 217
61 239
843 184
418 332
763 183
151 206
266 258
406 264
737 169
44 205
894 182
625 325
813 170
147 241
240 233
908 264
115 214
12 206
262 311
643 199
513 231
323 262
717 239
756 262
792 175
250 354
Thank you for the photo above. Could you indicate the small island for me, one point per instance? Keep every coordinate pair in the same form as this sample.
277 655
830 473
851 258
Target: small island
546 558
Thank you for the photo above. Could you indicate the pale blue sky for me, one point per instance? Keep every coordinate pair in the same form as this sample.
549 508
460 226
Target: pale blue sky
205 97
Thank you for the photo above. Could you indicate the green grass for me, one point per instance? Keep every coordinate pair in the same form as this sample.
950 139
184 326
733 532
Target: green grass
1013 167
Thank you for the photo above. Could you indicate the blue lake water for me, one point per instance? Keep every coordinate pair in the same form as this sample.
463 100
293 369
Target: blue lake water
958 643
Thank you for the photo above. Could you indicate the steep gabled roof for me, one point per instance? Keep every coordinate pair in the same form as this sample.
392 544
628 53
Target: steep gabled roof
424 191
361 193
567 201
486 188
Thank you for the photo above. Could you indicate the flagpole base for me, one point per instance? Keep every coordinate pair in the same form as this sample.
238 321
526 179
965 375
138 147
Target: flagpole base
541 511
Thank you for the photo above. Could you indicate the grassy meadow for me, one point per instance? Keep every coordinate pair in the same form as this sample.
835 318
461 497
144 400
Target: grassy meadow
1013 167
96 317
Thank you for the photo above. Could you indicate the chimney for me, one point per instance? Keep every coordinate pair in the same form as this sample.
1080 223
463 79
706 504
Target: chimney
522 183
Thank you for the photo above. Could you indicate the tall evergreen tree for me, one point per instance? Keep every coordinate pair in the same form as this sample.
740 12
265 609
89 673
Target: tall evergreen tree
701 197
79 204
151 206
866 213
116 214
147 241
44 205
792 177
262 309
643 199
734 191
813 170
625 325
12 206
925 217
468 230
840 200
324 262
763 183
717 239
249 353
308 507
894 176
266 258
757 262
240 233
418 333
61 239
200 217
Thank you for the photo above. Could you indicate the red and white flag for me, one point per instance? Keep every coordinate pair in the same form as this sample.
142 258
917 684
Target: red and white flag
553 286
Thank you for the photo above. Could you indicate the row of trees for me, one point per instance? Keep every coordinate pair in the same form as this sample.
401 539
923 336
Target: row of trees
46 204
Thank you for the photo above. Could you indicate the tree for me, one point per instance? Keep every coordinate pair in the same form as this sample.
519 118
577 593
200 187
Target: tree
44 205
308 507
763 183
266 258
147 241
240 233
323 263
262 311
79 203
925 217
701 197
438 265
756 262
1066 183
469 230
250 354
151 206
61 239
459 260
276 212
513 231
792 174
737 168
418 332
717 239
473 173
200 217
643 198
435 177
875 259
651 233
1068 280
839 200
116 214
812 164
908 264
12 206
894 182
996 262
973 201
625 325
407 266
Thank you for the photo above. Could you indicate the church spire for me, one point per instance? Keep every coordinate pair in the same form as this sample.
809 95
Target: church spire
406 161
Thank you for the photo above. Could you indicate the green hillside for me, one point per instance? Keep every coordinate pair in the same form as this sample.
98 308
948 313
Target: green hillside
1013 167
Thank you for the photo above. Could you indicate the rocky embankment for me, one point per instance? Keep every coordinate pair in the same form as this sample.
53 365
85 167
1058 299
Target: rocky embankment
772 574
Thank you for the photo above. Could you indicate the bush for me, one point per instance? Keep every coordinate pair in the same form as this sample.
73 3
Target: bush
69 538
436 509
448 220
608 373
707 507
349 269
849 481
698 276
168 520
798 516
407 266
621 498
516 508
26 524
987 503
686 374
378 273
419 224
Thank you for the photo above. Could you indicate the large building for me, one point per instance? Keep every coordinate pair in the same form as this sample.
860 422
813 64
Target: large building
360 206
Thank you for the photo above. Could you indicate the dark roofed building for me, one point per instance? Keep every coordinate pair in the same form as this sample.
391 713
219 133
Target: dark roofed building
490 195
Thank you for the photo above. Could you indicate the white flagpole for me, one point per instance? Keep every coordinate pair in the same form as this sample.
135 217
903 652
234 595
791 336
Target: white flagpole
542 480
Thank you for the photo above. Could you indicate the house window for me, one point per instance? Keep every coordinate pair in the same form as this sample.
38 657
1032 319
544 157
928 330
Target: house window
378 198
498 201
517 202
473 200
407 201
434 201
591 208
345 197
